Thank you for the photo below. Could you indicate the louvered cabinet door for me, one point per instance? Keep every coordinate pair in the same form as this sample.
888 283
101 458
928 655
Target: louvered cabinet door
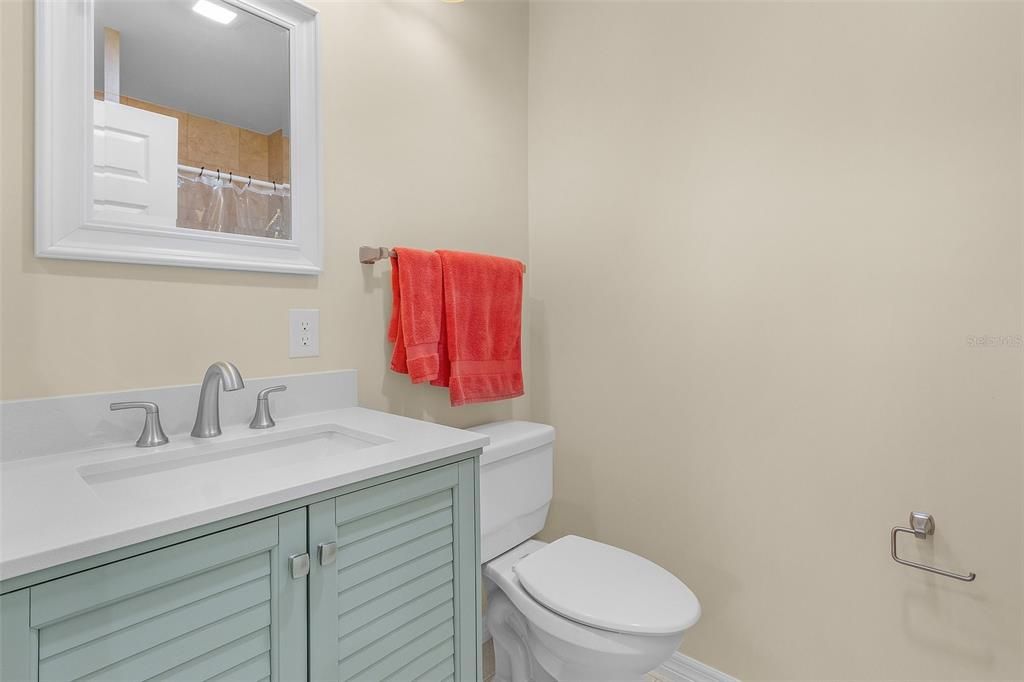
400 599
223 606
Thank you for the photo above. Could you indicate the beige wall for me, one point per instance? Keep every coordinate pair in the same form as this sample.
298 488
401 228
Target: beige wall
424 133
760 235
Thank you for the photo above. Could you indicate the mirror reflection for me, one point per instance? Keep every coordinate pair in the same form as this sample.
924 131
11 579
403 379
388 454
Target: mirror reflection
191 117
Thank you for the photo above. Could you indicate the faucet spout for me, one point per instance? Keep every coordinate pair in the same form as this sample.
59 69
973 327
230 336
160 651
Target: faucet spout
208 415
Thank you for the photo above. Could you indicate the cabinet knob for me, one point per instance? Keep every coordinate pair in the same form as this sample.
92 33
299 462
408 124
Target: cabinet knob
299 565
326 552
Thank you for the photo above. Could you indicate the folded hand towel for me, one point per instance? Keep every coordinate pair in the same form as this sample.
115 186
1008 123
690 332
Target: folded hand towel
416 314
396 303
483 300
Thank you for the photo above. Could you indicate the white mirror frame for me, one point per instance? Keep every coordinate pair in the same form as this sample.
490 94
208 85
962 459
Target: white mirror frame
65 226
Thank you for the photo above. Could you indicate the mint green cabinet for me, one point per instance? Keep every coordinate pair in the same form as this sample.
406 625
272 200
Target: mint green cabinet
18 643
398 601
221 606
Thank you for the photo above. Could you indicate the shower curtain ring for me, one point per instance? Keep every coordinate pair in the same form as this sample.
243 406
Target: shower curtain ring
231 176
218 174
275 184
201 171
250 181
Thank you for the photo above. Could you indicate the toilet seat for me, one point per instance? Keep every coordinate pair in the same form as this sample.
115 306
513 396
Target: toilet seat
530 636
607 587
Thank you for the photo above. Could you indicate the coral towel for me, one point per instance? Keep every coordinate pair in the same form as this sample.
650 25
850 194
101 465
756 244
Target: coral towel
416 313
483 310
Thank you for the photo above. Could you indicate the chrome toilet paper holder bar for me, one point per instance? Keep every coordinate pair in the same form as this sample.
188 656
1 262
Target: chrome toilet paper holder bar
921 526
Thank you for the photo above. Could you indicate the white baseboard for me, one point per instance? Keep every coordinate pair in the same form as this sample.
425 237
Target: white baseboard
682 668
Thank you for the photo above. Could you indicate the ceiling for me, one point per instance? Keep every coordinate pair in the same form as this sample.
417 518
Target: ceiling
236 73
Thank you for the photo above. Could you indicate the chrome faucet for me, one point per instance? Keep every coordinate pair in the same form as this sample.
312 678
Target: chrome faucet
152 432
208 416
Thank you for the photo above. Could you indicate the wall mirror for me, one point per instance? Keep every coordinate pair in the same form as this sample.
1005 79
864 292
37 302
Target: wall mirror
178 132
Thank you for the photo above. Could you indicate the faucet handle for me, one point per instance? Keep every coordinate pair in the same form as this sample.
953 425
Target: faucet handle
152 433
262 418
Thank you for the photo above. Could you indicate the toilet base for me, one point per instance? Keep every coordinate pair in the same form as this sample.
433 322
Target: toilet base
521 655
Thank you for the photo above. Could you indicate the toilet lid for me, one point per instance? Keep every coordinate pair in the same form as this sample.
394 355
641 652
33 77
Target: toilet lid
607 588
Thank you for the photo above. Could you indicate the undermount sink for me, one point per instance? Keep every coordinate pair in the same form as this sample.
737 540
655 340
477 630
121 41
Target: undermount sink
213 463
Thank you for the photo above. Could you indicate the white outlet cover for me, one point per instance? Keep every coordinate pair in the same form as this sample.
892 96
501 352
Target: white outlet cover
303 333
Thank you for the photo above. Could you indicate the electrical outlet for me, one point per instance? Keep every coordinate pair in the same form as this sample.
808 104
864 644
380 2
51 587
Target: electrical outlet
303 333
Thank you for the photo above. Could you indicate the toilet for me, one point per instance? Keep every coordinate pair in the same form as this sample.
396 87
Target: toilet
573 609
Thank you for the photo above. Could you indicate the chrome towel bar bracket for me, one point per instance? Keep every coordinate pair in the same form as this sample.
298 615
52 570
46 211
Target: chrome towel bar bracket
368 255
921 526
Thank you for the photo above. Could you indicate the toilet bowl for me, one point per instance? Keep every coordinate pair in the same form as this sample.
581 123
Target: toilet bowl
573 609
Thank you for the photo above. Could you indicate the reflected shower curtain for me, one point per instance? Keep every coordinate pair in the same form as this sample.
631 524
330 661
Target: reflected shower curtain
233 206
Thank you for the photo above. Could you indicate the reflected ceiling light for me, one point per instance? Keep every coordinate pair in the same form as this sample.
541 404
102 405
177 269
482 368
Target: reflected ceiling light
218 13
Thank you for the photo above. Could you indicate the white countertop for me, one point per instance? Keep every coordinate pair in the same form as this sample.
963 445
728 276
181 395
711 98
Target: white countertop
50 514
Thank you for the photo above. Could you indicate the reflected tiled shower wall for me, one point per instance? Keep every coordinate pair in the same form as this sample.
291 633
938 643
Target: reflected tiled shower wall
217 145
227 151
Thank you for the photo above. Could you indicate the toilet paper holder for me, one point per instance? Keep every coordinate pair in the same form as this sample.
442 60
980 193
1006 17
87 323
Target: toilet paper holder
922 524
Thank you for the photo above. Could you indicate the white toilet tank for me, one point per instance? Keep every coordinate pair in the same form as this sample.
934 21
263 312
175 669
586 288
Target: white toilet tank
515 484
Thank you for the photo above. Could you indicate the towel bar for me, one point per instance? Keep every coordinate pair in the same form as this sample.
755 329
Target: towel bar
921 526
368 255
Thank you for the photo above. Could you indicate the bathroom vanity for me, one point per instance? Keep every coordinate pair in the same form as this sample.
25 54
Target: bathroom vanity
340 544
